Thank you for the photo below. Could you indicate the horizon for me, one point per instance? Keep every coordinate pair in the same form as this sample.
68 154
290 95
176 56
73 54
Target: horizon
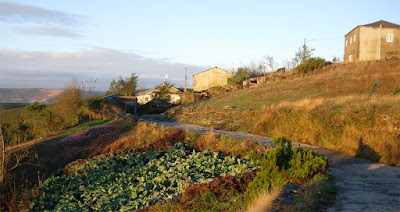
47 44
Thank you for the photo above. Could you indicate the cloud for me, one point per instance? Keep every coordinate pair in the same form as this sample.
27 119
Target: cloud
27 69
20 13
48 31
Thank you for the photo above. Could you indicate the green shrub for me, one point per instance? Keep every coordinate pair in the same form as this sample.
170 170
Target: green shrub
239 77
311 64
286 164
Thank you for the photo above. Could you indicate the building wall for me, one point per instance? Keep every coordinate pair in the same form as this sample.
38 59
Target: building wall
211 78
352 46
144 98
174 98
390 46
147 97
367 43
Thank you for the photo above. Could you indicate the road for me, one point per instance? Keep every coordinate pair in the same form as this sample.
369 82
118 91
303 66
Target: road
363 185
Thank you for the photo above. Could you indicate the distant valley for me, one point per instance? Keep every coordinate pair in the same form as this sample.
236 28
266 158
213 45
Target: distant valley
30 95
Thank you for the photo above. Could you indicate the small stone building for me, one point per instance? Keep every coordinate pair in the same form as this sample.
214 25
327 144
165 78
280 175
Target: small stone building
146 96
371 41
254 82
210 78
127 103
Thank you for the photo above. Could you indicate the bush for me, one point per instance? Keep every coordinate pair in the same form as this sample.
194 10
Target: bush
311 64
239 77
286 164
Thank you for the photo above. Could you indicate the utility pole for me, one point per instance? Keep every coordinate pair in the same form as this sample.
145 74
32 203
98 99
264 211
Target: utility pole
380 41
304 51
185 79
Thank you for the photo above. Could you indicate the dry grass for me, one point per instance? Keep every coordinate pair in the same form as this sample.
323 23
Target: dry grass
226 145
337 80
264 201
330 109
143 134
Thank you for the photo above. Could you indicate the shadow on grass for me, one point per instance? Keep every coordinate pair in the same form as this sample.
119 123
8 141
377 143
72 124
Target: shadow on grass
366 152
46 157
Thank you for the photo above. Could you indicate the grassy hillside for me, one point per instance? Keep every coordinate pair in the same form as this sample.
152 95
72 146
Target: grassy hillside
329 108
338 81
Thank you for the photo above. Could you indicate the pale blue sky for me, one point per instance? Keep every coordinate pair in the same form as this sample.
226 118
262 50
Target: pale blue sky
105 39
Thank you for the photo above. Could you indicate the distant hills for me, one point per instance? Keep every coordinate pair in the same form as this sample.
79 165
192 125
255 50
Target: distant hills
30 95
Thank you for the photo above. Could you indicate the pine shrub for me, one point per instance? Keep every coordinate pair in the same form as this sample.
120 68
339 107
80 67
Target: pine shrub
311 64
286 164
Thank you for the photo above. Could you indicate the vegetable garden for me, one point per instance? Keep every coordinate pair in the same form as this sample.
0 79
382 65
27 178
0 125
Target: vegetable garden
136 180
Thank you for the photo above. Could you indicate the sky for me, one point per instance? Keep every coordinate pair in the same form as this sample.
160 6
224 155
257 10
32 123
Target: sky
45 44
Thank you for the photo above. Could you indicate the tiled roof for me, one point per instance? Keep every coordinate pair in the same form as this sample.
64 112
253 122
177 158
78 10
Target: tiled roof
383 23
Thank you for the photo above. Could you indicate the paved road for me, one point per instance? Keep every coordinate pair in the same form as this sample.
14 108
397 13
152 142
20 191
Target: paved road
363 185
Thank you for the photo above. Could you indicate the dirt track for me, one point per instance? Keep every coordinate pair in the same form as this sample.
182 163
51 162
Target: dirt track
363 185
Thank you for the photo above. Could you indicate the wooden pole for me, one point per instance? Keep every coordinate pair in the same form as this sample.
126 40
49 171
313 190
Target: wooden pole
304 51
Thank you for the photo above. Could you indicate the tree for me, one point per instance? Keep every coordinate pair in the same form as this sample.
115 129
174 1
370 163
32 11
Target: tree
239 76
123 86
68 107
336 60
303 54
270 62
37 111
162 91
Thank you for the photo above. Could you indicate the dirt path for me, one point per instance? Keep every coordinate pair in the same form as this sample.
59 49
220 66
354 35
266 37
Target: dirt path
363 185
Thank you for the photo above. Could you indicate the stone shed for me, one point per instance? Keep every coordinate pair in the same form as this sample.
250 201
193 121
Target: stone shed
211 78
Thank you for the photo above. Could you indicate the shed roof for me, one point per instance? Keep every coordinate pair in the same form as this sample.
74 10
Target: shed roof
211 69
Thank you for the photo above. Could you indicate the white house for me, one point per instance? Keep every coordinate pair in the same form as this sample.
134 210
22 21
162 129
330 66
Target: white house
146 96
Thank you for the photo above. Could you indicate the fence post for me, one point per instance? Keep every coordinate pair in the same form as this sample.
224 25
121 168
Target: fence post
373 88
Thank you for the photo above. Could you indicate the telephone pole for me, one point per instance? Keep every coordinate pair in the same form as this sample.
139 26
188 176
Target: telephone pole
185 79
304 51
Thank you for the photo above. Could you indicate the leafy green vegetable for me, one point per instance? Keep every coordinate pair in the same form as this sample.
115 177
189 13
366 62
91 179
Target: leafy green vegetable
136 180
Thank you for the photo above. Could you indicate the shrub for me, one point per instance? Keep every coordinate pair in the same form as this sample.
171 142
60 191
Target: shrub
286 164
311 64
239 77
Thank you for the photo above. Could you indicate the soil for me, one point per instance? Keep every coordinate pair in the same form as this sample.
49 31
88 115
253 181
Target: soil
363 185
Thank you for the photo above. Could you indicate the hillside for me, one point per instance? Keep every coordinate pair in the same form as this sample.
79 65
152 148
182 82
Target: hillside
8 106
335 82
30 95
328 108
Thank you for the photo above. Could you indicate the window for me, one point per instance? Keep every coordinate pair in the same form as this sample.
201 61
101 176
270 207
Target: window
350 41
389 37
354 38
346 43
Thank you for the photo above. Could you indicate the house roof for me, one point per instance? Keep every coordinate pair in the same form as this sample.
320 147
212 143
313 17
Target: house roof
143 92
213 68
172 90
127 97
384 24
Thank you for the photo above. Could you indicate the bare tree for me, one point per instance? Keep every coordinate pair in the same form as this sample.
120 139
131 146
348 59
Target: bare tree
303 54
270 62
